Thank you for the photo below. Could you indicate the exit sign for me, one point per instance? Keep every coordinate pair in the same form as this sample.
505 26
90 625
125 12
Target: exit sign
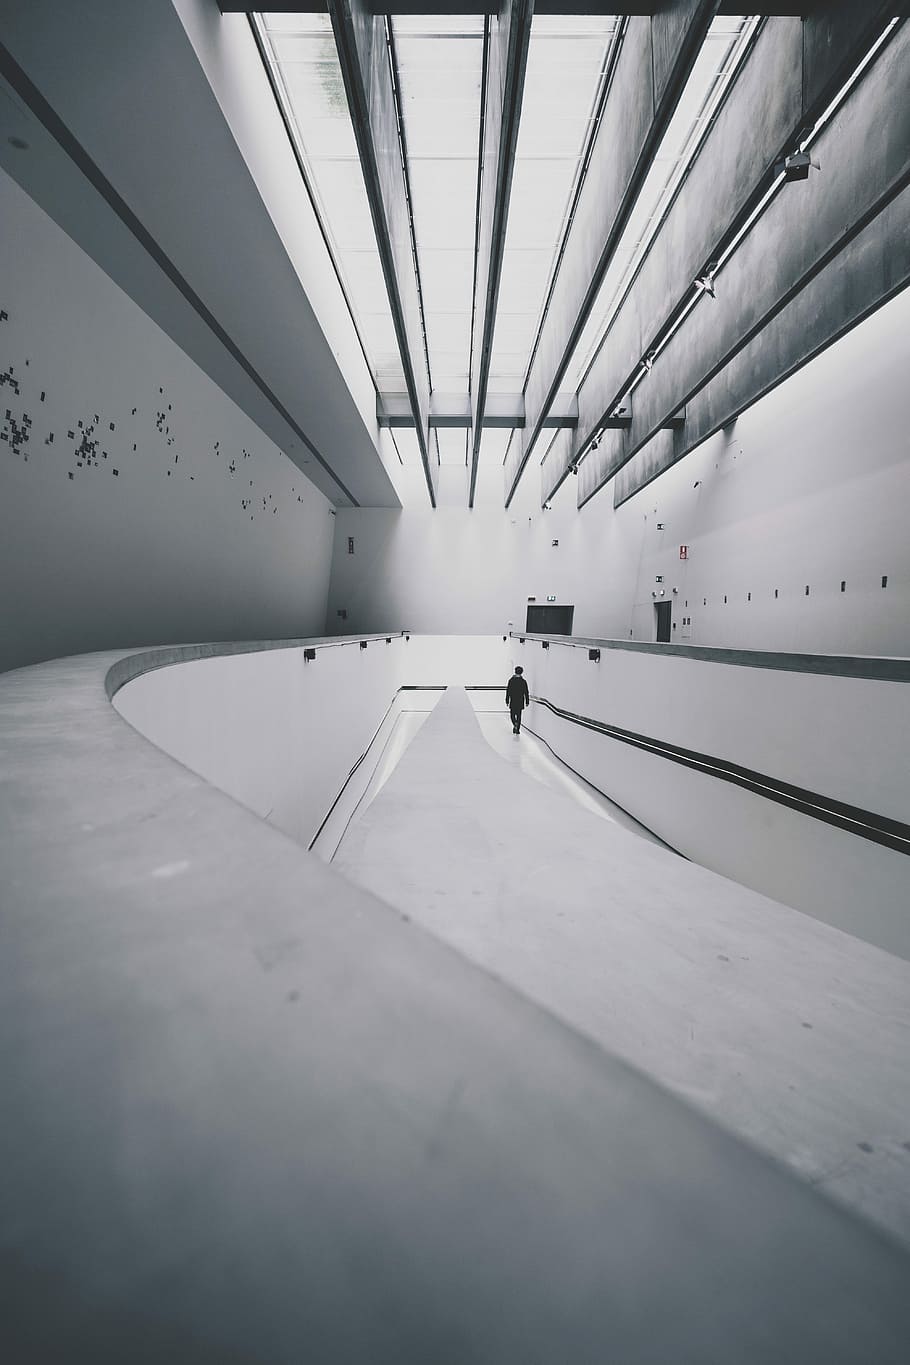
684 552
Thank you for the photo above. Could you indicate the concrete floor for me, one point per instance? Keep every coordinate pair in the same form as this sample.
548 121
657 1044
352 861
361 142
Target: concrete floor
253 1114
787 1031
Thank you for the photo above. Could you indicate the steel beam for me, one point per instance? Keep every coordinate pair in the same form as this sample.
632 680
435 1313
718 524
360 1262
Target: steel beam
809 230
785 81
653 63
506 39
503 410
363 53
799 7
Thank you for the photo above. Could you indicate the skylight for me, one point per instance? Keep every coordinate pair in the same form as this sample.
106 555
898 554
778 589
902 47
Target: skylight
300 51
566 60
439 64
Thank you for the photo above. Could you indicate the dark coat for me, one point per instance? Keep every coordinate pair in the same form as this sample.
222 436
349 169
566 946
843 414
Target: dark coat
517 695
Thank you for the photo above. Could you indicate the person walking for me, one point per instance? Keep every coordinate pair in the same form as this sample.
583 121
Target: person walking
517 698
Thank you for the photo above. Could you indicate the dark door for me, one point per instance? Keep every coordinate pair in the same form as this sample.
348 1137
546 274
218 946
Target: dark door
550 620
663 610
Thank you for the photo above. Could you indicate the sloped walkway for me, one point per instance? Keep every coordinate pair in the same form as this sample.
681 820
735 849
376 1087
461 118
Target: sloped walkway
787 1031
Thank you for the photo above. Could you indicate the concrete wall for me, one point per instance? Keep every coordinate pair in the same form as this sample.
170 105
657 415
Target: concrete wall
808 488
138 504
281 735
843 738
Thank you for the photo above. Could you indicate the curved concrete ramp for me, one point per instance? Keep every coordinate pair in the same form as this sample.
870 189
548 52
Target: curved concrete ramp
789 1032
250 1114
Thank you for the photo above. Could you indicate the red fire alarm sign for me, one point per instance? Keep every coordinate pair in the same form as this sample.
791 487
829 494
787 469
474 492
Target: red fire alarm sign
684 552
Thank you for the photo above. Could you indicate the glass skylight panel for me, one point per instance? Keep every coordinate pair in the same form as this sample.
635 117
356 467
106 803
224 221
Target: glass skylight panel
439 64
493 447
300 49
566 59
714 68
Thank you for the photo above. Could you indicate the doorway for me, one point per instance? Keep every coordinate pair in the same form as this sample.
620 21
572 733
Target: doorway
662 612
550 620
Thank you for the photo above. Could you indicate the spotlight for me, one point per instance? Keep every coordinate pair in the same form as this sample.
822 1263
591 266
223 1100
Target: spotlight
648 360
388 639
705 283
697 483
545 644
363 644
594 656
797 166
309 656
595 443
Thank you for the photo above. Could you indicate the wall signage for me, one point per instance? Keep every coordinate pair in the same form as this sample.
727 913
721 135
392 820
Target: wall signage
684 552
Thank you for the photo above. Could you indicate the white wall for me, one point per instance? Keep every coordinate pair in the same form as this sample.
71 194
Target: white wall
281 735
847 739
811 486
165 549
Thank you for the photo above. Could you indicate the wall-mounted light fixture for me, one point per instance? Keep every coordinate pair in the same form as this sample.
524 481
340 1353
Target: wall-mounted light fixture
363 644
388 639
661 525
545 644
796 166
521 639
309 656
594 656
407 636
705 282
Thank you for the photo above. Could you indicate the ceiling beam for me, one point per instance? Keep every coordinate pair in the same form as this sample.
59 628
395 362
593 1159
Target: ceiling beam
502 410
560 7
870 270
366 69
507 36
790 75
812 265
653 62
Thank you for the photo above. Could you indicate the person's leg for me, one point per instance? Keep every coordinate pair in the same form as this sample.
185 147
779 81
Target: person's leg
516 720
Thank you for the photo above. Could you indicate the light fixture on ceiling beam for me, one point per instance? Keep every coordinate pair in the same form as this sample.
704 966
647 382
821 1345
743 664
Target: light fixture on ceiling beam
796 166
705 283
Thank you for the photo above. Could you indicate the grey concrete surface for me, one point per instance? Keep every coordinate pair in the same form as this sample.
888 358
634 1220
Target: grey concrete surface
807 229
789 1032
250 1113
653 63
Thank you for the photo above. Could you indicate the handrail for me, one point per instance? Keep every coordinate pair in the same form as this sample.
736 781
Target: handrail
887 669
